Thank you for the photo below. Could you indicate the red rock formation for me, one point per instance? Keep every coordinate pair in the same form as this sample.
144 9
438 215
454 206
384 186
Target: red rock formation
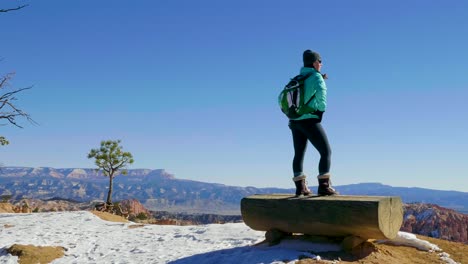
435 221
134 207
36 205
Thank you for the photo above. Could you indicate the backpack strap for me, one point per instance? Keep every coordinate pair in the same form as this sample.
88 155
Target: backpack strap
305 78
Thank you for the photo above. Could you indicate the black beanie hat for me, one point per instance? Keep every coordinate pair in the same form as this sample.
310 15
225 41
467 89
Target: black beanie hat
309 57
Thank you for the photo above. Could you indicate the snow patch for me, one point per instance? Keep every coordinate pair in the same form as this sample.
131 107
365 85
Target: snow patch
446 258
410 240
89 239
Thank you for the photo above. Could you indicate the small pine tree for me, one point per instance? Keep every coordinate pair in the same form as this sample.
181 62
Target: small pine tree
111 159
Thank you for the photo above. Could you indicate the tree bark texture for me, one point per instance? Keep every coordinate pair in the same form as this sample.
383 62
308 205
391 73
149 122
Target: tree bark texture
109 194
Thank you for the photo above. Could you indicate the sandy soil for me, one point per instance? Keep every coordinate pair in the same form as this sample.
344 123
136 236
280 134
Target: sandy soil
6 208
374 253
109 217
29 254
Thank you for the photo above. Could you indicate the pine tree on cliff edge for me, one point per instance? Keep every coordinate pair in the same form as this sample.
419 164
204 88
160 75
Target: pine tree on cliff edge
112 160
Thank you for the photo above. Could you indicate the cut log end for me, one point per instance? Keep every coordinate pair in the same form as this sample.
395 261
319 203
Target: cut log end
390 216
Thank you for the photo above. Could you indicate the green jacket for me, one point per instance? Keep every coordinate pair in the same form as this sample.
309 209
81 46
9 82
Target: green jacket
315 84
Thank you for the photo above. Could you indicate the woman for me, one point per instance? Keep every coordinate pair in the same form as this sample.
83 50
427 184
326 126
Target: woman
308 128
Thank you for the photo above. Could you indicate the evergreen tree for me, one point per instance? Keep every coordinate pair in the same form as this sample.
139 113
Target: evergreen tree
112 160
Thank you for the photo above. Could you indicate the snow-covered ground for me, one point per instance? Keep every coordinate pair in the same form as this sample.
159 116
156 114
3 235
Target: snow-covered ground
88 239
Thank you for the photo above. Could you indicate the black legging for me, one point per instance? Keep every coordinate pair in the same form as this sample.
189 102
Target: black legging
309 129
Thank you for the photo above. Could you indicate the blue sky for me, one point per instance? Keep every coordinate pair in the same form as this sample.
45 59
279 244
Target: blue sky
192 86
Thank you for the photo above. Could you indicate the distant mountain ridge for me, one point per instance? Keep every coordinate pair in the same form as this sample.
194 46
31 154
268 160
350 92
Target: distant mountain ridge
73 173
160 190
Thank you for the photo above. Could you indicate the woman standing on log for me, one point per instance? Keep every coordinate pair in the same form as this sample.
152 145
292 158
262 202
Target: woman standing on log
308 128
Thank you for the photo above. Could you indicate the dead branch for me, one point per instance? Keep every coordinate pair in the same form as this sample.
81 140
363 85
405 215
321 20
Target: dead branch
12 9
8 110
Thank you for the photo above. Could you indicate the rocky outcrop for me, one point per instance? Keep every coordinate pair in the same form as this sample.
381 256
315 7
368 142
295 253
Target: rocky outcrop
435 221
78 174
51 205
6 207
133 207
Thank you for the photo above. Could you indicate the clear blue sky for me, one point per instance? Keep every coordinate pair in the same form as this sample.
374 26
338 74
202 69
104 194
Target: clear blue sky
191 87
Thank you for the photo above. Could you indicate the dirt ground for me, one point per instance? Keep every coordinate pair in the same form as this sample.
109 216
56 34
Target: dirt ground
29 254
109 217
6 208
374 253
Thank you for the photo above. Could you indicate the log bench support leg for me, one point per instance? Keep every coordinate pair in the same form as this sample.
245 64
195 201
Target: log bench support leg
351 242
274 236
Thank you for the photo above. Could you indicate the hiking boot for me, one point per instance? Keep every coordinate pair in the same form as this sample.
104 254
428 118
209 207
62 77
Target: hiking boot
325 187
301 186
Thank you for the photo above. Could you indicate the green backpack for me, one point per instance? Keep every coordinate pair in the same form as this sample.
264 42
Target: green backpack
291 98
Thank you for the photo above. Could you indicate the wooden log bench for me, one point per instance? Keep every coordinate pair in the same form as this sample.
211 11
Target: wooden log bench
355 218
